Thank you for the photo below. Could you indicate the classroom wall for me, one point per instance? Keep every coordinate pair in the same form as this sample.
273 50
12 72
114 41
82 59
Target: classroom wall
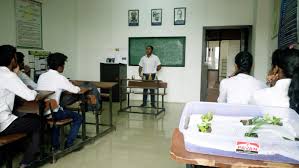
87 31
94 36
59 29
184 83
263 44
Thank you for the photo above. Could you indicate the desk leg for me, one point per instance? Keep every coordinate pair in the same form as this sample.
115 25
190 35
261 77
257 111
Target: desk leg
110 107
128 101
97 122
120 97
83 110
158 101
41 105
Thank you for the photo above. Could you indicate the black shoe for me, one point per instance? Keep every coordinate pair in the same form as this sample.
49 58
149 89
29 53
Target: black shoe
153 105
143 105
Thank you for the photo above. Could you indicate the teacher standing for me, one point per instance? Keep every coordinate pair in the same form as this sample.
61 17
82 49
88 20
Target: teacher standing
149 64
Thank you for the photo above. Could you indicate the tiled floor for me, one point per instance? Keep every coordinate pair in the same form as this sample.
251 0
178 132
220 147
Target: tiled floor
140 141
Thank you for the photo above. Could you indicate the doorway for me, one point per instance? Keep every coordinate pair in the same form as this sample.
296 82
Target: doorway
220 46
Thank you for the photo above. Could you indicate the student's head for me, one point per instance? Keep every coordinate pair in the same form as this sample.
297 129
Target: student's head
20 60
275 58
288 66
56 61
8 56
149 50
243 62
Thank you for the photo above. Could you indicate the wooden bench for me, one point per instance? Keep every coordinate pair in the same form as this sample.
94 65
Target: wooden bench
6 140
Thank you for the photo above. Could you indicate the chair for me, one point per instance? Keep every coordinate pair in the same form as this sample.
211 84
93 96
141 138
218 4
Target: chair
5 141
50 105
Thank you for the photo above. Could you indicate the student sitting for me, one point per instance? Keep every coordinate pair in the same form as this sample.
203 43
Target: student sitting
239 88
11 85
54 81
23 76
285 76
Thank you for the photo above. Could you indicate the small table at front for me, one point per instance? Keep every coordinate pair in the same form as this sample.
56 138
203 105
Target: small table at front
143 84
179 154
102 85
36 107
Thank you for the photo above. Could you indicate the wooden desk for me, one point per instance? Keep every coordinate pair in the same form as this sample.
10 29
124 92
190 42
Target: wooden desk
102 85
144 84
37 107
179 154
33 106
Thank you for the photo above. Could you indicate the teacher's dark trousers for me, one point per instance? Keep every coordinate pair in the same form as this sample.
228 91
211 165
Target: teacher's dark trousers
152 91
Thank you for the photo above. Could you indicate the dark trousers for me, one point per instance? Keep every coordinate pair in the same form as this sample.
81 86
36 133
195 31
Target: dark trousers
152 91
77 121
29 124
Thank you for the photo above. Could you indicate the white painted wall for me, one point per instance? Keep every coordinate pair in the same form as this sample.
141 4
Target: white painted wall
87 31
59 29
263 44
184 83
94 36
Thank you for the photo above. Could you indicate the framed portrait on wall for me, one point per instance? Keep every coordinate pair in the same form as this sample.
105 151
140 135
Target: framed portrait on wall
179 16
156 17
133 17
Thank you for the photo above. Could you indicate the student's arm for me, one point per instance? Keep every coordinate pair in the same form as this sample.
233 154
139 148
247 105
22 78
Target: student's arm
27 80
222 93
66 85
15 85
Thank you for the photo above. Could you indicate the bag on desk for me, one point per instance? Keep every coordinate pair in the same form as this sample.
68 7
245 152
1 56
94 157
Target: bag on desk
93 92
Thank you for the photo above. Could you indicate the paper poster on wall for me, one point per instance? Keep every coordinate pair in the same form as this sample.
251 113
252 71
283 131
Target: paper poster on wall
28 14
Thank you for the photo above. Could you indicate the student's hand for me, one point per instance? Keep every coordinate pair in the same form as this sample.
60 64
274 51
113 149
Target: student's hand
83 90
27 70
17 70
271 79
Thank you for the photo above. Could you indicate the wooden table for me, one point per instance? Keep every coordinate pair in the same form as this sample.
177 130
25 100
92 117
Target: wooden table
102 85
37 107
143 84
33 107
179 154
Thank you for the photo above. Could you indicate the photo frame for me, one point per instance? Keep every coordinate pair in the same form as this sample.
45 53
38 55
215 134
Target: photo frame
180 16
156 17
133 17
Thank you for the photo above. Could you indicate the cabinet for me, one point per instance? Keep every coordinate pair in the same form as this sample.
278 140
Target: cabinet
113 73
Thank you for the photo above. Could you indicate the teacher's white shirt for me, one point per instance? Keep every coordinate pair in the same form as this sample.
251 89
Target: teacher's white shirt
11 85
239 89
149 64
275 96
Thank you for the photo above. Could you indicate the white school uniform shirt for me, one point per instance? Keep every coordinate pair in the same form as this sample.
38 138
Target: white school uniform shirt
275 96
11 85
27 80
239 89
54 81
150 64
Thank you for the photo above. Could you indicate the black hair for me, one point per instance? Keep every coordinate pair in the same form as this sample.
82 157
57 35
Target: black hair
7 54
149 46
20 58
56 60
289 63
244 61
275 57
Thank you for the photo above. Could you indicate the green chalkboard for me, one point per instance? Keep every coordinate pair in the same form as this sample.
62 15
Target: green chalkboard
170 50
